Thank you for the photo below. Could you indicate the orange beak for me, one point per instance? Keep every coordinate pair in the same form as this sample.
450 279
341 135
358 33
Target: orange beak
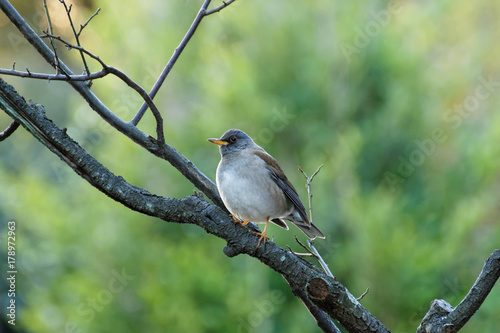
218 142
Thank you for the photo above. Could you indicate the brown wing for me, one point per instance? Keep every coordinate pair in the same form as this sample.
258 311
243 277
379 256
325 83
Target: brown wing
280 179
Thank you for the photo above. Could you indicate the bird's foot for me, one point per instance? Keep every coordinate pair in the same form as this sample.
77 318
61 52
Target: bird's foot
262 234
262 237
236 220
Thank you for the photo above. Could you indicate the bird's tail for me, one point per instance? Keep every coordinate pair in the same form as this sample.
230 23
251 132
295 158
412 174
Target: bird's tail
311 230
302 222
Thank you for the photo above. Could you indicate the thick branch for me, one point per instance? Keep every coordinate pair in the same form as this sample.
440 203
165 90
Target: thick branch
193 209
322 319
330 295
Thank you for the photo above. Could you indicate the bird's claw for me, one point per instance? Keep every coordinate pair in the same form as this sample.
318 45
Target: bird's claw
237 221
262 237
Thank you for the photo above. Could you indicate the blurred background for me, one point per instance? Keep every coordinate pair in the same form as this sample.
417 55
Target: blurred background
399 101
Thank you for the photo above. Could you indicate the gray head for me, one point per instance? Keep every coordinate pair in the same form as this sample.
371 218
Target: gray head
232 141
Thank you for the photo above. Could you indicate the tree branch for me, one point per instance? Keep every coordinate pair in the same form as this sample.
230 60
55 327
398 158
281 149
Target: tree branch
330 296
9 130
82 26
106 70
49 22
195 210
442 317
71 46
322 319
102 73
55 77
164 151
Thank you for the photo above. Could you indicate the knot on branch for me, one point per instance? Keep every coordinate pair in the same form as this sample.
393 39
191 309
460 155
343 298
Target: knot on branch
436 320
230 251
317 288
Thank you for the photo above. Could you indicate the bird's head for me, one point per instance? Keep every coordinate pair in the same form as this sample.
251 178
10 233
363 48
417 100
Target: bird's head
232 141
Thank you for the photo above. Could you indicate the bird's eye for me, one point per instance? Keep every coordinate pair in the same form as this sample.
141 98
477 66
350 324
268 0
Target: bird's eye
233 138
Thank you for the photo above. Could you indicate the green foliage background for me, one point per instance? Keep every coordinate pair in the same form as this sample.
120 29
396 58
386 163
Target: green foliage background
390 97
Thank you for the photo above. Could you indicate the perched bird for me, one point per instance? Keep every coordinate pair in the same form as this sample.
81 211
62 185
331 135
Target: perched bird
254 188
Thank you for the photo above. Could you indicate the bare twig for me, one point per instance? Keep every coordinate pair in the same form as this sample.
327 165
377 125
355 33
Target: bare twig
178 50
145 96
363 295
300 254
312 249
55 77
309 192
219 8
82 26
76 47
68 12
9 130
312 252
56 58
309 252
319 258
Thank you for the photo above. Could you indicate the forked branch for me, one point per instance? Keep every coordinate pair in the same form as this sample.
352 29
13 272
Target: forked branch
105 71
77 35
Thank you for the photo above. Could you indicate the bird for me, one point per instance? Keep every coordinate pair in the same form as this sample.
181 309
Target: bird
254 187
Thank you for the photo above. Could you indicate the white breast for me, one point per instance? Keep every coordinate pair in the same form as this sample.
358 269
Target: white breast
249 193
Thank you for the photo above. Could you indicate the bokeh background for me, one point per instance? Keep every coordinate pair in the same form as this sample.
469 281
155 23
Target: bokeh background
399 101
